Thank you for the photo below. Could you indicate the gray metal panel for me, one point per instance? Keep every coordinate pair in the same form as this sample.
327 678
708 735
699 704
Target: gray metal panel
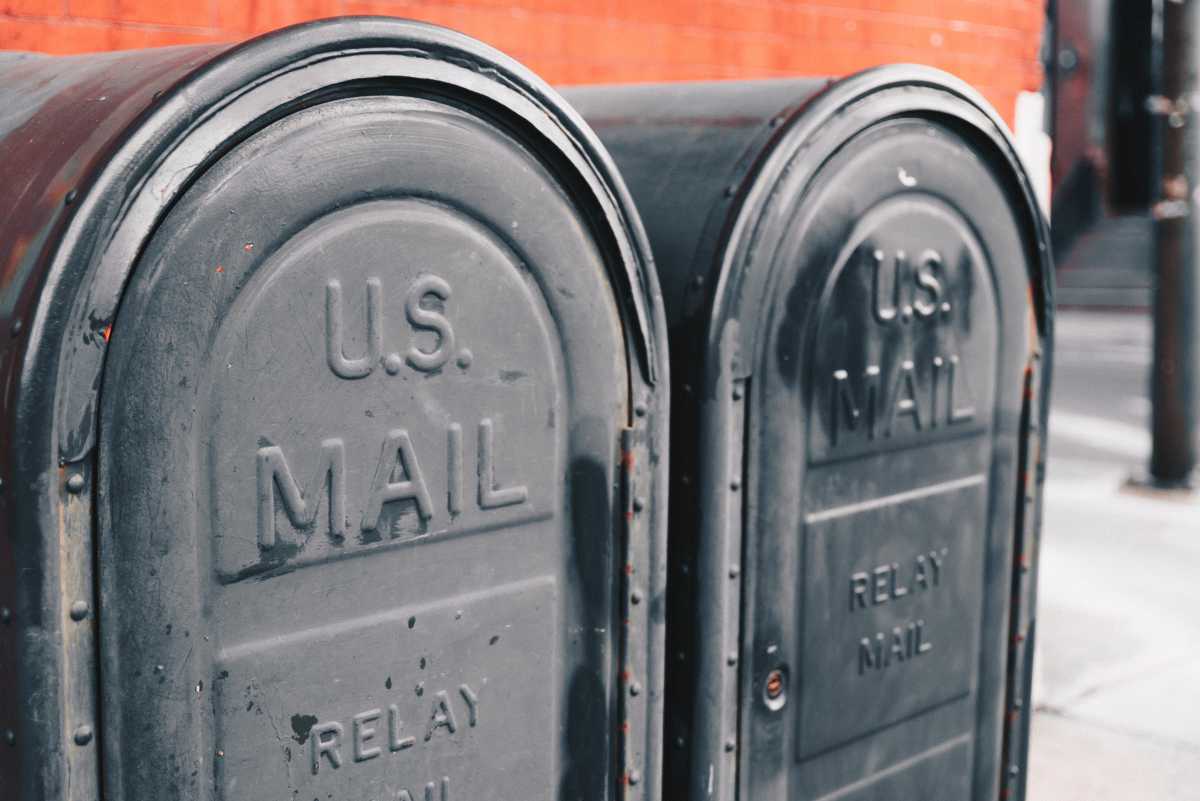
381 429
853 321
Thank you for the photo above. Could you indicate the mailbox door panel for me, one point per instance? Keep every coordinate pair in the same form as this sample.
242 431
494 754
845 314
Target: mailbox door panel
882 461
359 434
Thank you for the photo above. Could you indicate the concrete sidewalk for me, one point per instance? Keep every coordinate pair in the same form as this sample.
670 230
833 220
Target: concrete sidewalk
1117 688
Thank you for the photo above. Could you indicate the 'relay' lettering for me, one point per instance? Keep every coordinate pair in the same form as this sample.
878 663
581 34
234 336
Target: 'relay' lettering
333 745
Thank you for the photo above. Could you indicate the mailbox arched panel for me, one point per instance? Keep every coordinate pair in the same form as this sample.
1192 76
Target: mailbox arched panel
366 372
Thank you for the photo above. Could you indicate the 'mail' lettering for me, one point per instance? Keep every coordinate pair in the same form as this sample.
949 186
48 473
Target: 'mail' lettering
398 477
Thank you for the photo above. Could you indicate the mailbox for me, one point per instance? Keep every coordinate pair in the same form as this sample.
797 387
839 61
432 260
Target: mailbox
334 414
858 290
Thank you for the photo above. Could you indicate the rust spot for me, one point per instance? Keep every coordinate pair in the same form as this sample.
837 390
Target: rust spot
625 727
774 684
220 269
629 569
249 246
107 332
625 676
627 459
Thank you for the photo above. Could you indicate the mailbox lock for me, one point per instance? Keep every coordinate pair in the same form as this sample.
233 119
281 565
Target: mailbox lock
774 690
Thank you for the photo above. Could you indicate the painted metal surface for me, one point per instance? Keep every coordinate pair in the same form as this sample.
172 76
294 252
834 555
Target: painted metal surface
341 353
858 291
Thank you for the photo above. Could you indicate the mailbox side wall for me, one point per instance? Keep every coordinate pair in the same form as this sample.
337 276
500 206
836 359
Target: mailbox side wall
59 119
992 45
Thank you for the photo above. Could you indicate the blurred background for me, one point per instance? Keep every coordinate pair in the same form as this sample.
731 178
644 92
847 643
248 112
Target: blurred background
991 43
1092 90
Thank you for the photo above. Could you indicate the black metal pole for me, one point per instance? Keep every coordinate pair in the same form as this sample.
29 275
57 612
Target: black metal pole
1173 381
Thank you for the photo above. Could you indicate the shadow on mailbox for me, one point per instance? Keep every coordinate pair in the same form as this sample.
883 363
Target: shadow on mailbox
340 352
858 295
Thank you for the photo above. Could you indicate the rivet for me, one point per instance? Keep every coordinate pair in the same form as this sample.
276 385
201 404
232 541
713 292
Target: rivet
83 735
730 744
75 483
69 198
10 737
634 777
635 597
17 325
698 281
737 392
680 742
5 615
736 484
79 610
159 668
731 659
635 688
681 656
1014 770
1017 703
639 503
640 410
734 571
730 190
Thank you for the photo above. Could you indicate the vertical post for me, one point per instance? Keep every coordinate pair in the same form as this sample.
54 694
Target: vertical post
1173 381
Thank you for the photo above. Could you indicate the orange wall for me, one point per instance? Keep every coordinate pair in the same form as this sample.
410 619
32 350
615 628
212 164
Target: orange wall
991 43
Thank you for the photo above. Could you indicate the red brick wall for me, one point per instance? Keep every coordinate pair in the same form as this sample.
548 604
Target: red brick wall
991 43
